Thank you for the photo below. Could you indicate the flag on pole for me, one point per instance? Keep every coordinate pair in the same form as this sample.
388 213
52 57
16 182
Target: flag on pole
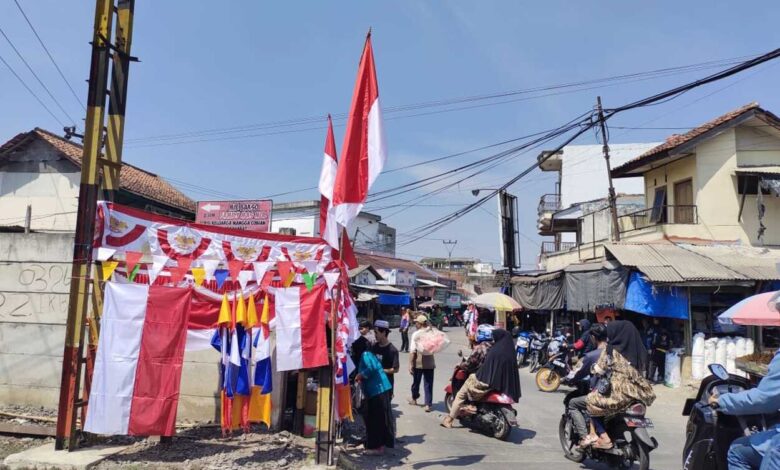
329 229
300 328
364 151
142 334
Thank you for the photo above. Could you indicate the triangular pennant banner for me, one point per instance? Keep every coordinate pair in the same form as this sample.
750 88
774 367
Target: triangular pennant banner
104 253
309 279
178 272
244 277
234 266
267 279
221 275
251 312
331 279
261 267
108 269
290 279
311 266
131 259
285 268
132 275
210 265
199 274
158 263
240 310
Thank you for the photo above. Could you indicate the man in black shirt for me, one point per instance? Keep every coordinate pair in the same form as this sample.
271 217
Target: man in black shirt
362 344
385 351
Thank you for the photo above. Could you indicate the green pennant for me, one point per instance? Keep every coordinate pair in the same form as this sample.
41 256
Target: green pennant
309 279
135 271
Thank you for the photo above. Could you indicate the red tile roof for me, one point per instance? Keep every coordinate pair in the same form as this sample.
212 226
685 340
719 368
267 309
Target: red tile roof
131 178
676 140
386 262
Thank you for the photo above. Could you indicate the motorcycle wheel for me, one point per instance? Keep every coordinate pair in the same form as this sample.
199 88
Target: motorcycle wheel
547 380
502 428
643 455
448 399
566 436
520 360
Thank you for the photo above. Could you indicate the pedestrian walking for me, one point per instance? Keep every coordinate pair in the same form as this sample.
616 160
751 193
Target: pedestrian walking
421 365
404 329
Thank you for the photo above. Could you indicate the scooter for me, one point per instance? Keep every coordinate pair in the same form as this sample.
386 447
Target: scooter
523 344
550 375
629 432
537 354
709 433
493 415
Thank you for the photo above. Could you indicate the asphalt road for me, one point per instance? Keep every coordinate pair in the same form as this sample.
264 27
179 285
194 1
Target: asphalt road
532 445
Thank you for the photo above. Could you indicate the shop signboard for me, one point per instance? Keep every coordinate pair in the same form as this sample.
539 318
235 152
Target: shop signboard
254 215
453 301
397 277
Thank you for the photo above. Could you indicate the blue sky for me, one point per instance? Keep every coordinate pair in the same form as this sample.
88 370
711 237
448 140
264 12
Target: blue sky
216 65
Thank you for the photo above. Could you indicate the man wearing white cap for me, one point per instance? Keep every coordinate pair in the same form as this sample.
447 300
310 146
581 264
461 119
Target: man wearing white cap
421 365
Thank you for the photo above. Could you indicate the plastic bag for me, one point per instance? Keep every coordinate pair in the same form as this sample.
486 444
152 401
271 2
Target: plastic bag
432 341
673 376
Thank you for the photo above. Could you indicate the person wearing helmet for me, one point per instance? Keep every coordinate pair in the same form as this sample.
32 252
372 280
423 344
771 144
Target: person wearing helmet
484 340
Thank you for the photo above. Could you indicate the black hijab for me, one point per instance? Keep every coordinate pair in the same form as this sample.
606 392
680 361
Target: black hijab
623 337
500 369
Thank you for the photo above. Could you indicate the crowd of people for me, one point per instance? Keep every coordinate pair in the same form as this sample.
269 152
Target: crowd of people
617 362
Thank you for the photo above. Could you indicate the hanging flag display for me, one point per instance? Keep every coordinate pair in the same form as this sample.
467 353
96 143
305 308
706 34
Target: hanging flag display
142 334
363 153
329 228
300 328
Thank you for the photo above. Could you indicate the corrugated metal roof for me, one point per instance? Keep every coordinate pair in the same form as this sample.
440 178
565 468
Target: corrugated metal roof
773 169
668 262
755 263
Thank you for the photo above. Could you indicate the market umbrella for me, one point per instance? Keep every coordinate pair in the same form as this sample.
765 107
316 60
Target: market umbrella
430 304
497 301
757 310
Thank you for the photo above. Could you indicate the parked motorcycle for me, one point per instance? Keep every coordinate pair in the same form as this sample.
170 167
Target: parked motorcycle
537 354
550 375
522 347
493 415
709 433
629 431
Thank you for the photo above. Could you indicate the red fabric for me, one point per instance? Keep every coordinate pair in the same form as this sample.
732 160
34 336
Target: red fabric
165 246
204 312
579 344
131 259
158 375
129 237
285 268
352 177
330 150
314 348
178 272
234 266
347 255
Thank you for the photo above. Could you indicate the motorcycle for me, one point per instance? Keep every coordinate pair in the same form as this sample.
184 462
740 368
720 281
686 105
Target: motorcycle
708 433
550 375
629 431
537 353
493 415
523 343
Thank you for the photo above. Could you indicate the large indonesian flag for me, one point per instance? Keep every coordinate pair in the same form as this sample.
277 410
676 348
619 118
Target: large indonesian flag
364 151
329 228
300 328
135 387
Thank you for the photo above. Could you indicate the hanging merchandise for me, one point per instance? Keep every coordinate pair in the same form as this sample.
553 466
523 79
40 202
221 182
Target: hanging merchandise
108 268
127 395
709 354
697 357
300 328
673 375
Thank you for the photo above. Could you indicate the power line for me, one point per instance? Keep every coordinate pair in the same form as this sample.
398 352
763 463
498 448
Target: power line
29 23
21 57
24 84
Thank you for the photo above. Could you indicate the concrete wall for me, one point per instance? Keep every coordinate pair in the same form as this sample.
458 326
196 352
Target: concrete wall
34 286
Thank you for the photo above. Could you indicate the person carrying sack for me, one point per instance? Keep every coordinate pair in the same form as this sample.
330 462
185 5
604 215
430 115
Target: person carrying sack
421 365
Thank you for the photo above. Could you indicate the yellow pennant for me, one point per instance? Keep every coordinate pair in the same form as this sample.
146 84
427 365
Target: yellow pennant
108 269
251 312
288 282
264 316
224 311
199 274
240 310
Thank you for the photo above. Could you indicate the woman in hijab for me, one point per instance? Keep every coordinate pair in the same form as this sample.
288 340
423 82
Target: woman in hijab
623 358
379 430
498 372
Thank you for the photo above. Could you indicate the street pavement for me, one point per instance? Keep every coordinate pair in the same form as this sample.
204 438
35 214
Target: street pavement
533 444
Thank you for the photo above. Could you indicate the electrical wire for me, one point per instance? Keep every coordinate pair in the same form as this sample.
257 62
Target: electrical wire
24 61
24 84
51 58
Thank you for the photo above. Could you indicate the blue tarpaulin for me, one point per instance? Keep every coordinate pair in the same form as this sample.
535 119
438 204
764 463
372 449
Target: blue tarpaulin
655 301
393 299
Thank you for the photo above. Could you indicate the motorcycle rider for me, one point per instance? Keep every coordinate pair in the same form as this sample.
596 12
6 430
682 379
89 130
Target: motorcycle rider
584 345
498 372
578 406
477 356
747 452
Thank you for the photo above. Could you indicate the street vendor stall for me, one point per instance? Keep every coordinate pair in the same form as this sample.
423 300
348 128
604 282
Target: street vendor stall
761 310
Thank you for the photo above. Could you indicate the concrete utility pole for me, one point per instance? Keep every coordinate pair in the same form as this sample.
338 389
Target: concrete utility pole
450 246
612 196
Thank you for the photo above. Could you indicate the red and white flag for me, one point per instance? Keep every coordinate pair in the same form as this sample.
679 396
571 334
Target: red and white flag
329 228
300 328
364 152
135 386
